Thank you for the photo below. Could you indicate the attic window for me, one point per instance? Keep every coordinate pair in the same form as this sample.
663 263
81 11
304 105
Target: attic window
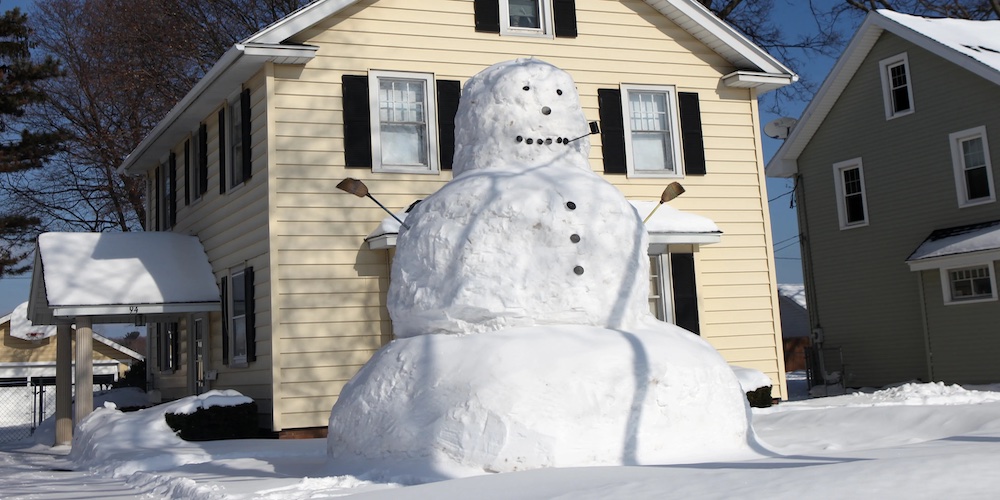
542 18
525 17
897 89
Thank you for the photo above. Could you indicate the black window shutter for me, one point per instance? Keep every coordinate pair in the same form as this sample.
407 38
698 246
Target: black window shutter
225 319
251 332
692 139
612 130
187 173
487 15
357 122
685 291
222 150
172 190
564 17
202 159
245 131
448 93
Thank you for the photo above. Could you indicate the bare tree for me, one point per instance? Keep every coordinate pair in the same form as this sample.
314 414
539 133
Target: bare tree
126 64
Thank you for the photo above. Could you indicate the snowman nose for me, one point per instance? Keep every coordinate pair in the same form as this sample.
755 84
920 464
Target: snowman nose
546 110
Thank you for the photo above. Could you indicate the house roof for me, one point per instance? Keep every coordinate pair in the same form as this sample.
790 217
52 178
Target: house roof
116 277
755 67
958 240
971 45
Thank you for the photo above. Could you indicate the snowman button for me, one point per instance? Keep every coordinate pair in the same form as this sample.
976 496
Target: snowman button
570 205
578 270
575 238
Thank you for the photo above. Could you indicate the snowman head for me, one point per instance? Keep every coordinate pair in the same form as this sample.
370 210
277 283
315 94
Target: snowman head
517 115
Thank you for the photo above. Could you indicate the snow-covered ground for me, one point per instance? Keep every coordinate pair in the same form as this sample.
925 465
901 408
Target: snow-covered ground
913 440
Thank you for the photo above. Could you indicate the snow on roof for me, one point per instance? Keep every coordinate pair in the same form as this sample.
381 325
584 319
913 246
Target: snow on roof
959 240
979 40
21 327
795 293
666 220
113 269
972 45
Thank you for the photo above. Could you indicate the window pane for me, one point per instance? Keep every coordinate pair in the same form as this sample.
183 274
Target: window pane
236 144
970 283
972 152
239 295
524 14
650 130
403 122
239 338
899 86
855 208
977 183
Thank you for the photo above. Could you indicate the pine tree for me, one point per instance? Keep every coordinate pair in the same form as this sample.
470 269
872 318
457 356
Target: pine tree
20 150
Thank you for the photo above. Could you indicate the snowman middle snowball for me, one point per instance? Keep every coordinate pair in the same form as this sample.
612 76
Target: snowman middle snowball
526 233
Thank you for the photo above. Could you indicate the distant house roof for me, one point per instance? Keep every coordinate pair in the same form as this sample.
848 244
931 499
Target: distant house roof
22 328
114 276
971 45
955 241
275 43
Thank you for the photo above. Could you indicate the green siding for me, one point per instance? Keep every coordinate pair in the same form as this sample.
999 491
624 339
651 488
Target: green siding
867 299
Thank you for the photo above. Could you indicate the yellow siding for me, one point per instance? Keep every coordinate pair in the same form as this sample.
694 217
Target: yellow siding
15 350
330 289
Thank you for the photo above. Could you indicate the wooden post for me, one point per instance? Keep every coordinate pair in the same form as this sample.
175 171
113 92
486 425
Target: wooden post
84 368
64 385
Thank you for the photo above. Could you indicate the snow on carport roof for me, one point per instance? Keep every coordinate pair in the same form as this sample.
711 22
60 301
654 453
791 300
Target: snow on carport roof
120 274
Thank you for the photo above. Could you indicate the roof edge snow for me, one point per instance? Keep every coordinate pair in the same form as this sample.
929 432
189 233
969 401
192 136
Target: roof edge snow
784 163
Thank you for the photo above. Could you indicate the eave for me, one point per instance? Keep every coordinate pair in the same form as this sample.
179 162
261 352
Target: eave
237 65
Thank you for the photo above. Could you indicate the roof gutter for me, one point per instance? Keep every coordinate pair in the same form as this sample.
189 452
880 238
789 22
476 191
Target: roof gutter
237 65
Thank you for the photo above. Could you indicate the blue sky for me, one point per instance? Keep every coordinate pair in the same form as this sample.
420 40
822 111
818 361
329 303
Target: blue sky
784 225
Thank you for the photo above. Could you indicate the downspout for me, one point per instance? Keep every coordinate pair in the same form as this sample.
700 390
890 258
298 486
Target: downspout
926 327
812 305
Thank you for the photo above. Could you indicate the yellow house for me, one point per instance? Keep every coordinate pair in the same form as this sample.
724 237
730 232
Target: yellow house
29 351
250 159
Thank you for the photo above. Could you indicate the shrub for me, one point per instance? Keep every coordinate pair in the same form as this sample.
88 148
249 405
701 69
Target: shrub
216 422
760 398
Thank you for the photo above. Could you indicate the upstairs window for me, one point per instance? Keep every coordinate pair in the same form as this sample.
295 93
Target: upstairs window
652 144
240 147
404 132
852 205
526 17
971 163
897 89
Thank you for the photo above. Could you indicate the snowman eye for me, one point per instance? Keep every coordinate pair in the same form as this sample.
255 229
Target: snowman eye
526 88
558 92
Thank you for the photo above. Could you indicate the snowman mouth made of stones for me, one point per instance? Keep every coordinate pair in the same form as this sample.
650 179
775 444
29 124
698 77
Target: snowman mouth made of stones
542 141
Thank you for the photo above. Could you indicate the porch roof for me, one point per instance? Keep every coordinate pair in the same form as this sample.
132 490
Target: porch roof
953 242
119 277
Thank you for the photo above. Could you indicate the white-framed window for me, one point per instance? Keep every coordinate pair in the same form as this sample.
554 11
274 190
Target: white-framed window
897 87
403 122
652 138
852 203
673 293
526 17
973 171
969 284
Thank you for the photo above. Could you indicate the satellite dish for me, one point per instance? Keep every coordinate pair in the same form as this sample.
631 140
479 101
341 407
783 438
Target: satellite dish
780 128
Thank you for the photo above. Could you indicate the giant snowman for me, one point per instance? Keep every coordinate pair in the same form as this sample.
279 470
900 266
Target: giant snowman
519 299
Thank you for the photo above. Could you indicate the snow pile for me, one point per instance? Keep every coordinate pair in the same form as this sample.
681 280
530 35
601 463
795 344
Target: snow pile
142 440
750 379
936 393
519 298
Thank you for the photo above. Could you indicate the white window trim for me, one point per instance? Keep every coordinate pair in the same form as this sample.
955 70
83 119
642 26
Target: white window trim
544 12
433 165
884 65
675 138
946 284
958 164
838 179
666 301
